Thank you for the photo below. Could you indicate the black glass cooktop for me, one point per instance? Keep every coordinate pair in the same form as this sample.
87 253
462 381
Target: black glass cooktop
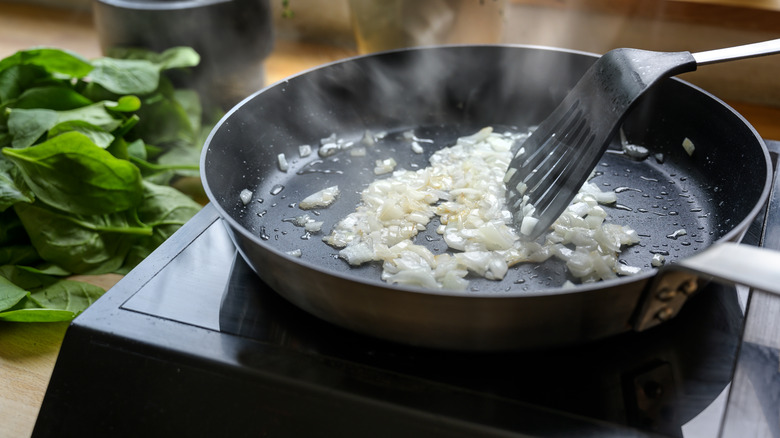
192 343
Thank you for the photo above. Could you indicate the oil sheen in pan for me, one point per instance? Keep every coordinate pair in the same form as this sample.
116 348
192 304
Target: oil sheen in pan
657 199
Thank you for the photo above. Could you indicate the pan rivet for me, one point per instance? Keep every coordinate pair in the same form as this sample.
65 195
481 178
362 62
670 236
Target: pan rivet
666 294
689 286
665 314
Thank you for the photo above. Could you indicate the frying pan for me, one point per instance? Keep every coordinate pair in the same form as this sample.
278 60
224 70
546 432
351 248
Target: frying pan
443 92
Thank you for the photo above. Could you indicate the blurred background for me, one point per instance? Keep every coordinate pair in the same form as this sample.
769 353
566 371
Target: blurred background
339 28
291 36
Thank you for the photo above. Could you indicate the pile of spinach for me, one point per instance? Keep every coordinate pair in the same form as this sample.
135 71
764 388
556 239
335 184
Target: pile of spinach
90 149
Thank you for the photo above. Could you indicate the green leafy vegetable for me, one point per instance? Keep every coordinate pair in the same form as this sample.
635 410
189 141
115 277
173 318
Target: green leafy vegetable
126 76
71 173
26 126
89 150
10 294
52 60
12 188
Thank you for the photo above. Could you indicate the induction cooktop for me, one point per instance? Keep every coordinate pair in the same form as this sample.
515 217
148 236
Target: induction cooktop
192 343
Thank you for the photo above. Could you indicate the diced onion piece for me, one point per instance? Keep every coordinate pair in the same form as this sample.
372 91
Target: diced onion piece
323 198
328 149
658 260
313 226
384 166
528 224
301 220
635 151
357 254
368 139
358 152
465 187
687 144
304 150
282 160
245 196
627 270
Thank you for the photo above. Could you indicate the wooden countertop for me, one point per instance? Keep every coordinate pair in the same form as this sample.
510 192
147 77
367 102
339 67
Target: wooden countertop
28 351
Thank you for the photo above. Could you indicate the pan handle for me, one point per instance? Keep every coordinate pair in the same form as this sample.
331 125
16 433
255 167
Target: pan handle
752 266
731 263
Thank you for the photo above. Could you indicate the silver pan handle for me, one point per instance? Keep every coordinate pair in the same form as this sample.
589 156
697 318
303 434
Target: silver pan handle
732 263
758 268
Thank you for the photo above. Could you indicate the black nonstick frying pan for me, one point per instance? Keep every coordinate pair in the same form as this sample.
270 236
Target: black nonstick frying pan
441 93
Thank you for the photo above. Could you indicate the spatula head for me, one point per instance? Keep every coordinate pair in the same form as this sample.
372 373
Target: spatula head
549 168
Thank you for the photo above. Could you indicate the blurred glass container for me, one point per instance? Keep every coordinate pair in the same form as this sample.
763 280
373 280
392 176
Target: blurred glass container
233 38
389 24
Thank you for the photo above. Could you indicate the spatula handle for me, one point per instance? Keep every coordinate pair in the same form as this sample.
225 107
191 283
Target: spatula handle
738 52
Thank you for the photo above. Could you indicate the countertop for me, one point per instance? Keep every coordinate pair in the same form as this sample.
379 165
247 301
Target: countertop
28 351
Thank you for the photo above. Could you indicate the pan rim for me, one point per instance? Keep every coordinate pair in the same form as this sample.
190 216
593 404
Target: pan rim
735 234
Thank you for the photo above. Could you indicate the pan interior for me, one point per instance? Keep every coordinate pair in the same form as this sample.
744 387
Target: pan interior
442 94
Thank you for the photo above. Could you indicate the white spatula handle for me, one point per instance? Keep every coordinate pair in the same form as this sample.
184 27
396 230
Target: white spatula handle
738 52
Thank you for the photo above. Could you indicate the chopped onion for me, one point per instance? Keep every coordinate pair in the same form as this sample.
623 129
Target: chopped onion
687 144
245 196
464 187
328 149
384 166
358 152
283 166
368 139
323 198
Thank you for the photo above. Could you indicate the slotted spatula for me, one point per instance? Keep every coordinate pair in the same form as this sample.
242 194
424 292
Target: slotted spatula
549 168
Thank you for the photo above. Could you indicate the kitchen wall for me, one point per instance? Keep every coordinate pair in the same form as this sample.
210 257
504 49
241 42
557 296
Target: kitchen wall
600 25
596 26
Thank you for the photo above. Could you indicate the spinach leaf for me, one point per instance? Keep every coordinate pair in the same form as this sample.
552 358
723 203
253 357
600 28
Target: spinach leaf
26 278
53 60
37 314
174 57
58 98
126 76
73 296
28 295
182 157
18 255
26 126
12 188
11 232
96 114
76 138
97 135
71 173
10 294
137 149
166 210
125 104
173 122
95 244
18 78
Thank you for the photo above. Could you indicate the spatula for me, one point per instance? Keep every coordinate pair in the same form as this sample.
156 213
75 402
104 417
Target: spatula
549 168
